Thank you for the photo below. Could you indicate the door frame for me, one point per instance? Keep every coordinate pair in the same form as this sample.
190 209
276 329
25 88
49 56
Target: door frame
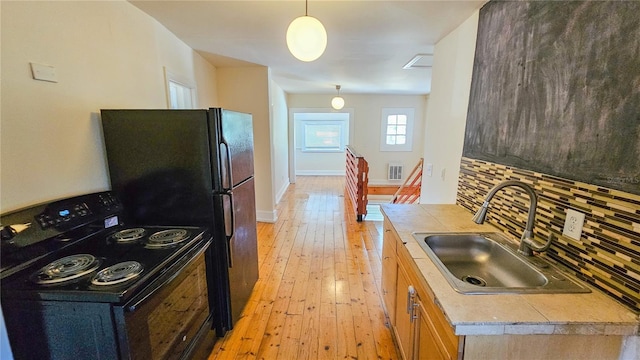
292 132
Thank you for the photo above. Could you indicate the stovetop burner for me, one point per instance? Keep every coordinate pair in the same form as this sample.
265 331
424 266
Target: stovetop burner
107 270
129 235
117 273
66 269
166 238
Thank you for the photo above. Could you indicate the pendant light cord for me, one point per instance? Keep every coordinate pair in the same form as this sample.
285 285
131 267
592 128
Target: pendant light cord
306 7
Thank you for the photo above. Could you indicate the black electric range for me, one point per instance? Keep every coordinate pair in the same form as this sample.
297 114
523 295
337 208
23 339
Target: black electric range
76 281
103 268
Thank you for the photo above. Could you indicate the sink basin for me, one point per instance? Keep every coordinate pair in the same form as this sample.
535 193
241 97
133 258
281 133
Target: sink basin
483 263
480 261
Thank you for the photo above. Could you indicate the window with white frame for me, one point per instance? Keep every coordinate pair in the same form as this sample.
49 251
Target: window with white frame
181 94
322 132
396 132
323 136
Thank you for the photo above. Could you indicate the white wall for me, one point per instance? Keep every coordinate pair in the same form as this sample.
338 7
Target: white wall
320 163
206 82
447 112
246 89
106 55
367 113
279 140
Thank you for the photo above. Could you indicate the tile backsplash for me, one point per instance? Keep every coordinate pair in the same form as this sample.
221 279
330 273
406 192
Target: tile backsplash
608 253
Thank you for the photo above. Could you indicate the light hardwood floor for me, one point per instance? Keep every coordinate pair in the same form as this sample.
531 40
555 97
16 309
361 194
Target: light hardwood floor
318 296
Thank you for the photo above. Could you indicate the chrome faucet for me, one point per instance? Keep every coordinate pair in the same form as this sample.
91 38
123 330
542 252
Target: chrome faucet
527 244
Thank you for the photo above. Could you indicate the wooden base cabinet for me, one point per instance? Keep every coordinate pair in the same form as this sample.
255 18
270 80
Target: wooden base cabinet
420 328
423 332
405 328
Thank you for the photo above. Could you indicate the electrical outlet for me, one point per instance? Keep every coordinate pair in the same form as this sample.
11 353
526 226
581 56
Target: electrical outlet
573 224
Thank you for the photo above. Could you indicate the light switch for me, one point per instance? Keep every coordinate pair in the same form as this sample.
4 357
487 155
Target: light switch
573 224
44 72
429 170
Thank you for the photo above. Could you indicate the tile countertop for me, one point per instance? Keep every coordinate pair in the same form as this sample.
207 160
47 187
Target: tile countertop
593 313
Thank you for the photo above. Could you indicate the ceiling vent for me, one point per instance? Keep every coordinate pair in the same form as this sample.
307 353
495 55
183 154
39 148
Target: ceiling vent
420 61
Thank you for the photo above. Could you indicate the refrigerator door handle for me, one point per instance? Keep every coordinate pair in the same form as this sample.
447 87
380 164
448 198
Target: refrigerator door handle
229 235
228 166
228 192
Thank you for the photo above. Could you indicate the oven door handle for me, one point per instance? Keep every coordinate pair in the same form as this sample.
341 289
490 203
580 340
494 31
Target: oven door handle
138 302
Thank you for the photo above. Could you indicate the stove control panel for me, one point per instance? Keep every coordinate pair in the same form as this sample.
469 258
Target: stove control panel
78 210
28 234
63 215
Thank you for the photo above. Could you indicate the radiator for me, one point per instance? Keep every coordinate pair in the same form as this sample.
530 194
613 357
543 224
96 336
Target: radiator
395 171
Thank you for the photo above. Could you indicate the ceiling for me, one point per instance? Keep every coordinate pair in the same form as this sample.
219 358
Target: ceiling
369 42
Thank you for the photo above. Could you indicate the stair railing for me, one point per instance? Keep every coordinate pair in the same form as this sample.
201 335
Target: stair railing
409 192
357 179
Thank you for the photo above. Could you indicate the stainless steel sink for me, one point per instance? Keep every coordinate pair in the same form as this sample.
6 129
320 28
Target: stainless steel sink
482 263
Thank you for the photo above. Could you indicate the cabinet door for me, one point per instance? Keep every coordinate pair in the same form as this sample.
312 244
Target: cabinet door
389 276
405 328
428 347
436 338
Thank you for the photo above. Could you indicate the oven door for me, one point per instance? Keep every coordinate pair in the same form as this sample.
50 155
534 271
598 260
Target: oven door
166 321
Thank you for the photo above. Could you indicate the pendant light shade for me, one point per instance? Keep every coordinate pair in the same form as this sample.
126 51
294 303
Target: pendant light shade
337 102
306 38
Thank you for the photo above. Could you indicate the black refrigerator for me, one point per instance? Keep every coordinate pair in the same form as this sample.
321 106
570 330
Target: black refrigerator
192 167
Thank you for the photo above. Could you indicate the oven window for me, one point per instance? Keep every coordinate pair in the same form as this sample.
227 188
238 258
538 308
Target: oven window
164 325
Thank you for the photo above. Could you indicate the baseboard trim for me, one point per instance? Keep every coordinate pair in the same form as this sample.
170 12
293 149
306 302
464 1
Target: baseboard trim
280 193
320 172
267 216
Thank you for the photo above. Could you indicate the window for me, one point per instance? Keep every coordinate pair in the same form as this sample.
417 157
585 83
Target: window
322 136
396 129
180 96
322 132
180 93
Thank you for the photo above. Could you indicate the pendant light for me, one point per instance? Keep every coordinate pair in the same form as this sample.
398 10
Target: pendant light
306 37
337 102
